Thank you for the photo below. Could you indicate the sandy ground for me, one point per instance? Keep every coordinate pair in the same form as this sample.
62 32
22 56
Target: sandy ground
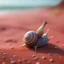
14 25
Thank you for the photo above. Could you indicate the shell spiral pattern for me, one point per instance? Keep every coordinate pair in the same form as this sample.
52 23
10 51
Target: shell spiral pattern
30 38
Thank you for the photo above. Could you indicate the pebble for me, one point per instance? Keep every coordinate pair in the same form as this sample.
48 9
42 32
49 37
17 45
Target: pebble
13 62
4 53
25 59
43 57
3 62
19 61
35 58
29 62
37 62
12 47
51 60
14 56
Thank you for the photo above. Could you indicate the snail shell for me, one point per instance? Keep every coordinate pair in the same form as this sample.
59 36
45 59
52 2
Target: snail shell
30 38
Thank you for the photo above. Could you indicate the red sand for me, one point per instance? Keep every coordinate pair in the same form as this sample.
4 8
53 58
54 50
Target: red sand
14 25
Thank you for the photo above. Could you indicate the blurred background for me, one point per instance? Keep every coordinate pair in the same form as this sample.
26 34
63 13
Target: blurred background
27 4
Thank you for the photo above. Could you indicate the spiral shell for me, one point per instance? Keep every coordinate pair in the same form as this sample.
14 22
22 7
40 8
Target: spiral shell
30 38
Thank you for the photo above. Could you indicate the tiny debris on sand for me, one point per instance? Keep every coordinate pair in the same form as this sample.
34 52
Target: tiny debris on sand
19 61
33 55
51 60
35 58
43 57
13 62
3 62
37 62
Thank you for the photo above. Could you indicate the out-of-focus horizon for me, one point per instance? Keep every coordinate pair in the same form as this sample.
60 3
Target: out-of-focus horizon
21 4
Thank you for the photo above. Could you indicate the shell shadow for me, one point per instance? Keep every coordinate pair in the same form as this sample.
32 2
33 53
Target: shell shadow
50 48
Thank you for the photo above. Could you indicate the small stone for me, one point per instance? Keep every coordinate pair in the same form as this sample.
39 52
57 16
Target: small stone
4 53
14 56
37 62
19 61
35 58
12 48
28 62
51 60
43 57
13 62
3 62
25 59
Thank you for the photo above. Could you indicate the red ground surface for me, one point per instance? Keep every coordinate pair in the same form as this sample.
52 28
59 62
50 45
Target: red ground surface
14 25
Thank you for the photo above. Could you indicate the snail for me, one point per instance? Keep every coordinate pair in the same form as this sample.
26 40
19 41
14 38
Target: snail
38 38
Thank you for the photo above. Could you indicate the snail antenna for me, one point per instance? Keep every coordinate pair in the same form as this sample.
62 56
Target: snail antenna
40 30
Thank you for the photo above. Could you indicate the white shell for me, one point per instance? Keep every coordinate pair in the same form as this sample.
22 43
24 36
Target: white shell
30 38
